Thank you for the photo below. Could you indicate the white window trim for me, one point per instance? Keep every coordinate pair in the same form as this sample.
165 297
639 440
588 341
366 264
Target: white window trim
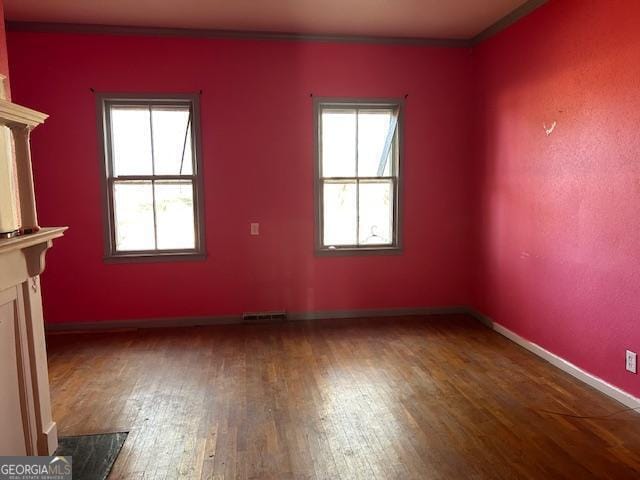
320 103
111 254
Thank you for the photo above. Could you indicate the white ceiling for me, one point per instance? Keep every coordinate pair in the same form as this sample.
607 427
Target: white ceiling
456 19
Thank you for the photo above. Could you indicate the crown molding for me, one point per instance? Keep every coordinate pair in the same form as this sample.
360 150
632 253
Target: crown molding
504 22
509 19
227 34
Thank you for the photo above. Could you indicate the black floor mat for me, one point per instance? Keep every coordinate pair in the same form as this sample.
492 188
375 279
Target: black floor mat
92 455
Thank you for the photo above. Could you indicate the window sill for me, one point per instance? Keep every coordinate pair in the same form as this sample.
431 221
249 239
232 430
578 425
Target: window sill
155 257
358 251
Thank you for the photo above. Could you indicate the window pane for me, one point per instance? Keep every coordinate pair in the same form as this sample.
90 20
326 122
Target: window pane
340 218
133 212
373 129
338 143
174 214
131 141
172 140
376 212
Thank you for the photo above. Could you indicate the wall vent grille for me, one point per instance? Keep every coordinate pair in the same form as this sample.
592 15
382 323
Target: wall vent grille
264 316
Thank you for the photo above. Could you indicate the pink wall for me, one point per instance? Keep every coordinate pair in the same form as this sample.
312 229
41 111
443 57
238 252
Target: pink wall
560 214
258 159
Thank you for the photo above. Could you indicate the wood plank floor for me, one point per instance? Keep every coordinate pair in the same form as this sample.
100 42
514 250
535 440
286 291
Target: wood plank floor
438 397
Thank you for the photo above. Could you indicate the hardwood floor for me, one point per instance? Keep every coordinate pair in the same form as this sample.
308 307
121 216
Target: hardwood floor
441 397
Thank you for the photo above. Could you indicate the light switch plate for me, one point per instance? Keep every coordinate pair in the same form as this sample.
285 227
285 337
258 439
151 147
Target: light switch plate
255 229
631 364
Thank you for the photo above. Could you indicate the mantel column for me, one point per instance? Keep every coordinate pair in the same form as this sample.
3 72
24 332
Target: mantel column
28 214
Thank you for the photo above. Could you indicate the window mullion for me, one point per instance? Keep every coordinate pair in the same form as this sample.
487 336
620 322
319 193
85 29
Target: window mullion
357 184
153 160
153 183
155 216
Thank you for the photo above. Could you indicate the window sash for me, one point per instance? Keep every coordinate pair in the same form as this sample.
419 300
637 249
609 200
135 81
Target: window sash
152 179
356 110
357 181
136 104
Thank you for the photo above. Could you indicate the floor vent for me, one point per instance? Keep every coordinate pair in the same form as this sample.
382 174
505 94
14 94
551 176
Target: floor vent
264 316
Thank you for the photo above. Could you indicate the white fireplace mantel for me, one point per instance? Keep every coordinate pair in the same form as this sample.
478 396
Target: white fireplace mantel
26 424
25 407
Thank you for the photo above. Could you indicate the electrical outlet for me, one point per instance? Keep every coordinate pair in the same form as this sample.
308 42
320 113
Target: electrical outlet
255 229
632 362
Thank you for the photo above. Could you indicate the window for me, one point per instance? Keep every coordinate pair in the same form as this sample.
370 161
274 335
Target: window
152 177
357 176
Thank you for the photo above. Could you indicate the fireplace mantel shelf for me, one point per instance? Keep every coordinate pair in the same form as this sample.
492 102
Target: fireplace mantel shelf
23 241
23 256
12 113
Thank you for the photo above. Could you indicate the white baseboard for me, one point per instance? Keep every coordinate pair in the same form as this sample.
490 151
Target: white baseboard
48 441
591 380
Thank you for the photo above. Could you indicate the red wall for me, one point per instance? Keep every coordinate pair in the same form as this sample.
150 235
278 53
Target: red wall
560 214
258 159
4 58
541 232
